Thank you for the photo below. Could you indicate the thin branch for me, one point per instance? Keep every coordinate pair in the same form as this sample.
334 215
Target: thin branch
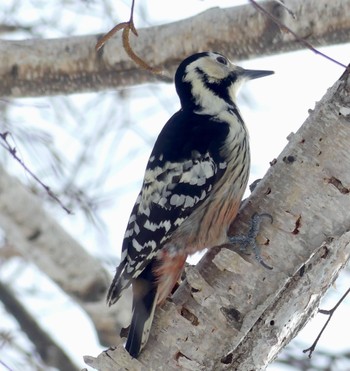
109 34
12 150
297 38
127 27
329 313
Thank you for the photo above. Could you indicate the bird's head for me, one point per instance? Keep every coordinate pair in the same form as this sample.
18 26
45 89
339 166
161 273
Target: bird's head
208 82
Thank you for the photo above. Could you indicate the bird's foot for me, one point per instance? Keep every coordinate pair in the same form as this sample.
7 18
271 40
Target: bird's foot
248 242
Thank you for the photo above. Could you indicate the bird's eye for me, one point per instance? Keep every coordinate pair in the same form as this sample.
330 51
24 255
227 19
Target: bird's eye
222 60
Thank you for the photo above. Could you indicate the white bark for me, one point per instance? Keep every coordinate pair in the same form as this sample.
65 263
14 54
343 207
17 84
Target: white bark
38 237
71 65
231 313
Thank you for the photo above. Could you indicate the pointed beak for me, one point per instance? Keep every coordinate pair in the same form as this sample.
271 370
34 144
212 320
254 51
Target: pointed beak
255 74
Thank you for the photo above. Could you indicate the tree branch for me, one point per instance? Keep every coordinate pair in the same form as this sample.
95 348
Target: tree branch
329 313
49 351
71 65
231 313
39 238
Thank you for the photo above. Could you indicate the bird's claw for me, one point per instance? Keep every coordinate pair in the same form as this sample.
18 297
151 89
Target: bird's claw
249 240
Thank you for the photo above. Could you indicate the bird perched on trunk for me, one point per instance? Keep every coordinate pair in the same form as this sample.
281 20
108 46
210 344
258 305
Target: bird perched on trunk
193 186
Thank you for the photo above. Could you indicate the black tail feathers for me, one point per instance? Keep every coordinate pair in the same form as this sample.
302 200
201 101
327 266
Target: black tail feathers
144 303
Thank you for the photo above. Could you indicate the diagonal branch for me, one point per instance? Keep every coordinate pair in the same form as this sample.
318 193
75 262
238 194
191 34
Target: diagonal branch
232 313
43 241
50 352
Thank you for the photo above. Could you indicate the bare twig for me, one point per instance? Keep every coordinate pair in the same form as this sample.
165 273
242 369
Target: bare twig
110 33
127 27
329 313
298 38
12 150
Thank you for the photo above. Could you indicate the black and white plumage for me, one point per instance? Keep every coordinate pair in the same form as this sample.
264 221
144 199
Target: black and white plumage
193 185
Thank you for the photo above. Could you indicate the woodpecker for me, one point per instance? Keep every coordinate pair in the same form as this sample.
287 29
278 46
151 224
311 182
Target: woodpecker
192 188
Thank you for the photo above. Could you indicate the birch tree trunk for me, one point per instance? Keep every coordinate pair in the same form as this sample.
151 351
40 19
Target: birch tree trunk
230 312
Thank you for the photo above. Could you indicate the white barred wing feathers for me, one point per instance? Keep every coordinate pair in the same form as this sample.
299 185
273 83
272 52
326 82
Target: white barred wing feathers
177 180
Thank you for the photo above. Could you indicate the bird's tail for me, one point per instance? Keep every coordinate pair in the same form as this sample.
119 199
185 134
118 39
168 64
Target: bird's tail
144 303
150 288
121 281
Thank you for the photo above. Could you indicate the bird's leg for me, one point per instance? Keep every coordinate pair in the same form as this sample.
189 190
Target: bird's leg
249 240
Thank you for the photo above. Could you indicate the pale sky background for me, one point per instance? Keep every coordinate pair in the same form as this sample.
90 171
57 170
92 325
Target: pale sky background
272 108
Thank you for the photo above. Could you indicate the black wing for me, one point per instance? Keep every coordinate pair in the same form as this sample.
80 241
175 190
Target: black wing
181 172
